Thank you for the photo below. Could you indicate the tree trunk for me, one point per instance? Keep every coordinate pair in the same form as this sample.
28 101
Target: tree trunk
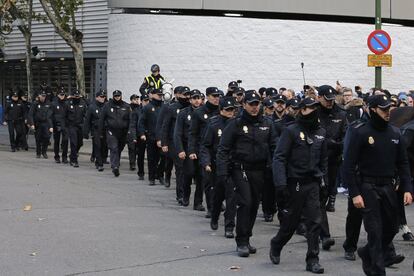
77 49
29 74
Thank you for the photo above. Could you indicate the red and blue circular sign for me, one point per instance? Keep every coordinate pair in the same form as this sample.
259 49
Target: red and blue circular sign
379 42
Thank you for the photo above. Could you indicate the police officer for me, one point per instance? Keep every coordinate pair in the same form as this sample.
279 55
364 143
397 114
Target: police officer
14 116
299 164
223 188
91 126
75 115
249 141
268 200
132 141
146 131
115 121
191 168
141 145
167 134
333 120
231 87
40 120
199 122
280 106
153 81
60 133
372 190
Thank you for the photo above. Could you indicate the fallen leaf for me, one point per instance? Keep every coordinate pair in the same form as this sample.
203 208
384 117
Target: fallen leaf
203 250
33 254
41 219
27 208
234 268
186 247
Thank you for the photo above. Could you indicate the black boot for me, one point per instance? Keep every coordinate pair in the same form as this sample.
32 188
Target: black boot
315 268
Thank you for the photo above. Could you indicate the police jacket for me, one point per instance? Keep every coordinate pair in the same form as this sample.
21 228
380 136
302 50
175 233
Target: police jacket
375 152
93 114
75 112
148 121
198 125
40 113
59 113
115 116
151 82
182 128
300 153
249 140
27 106
170 117
211 140
354 110
14 111
335 123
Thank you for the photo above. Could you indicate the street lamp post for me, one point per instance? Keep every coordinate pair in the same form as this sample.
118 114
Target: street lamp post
378 23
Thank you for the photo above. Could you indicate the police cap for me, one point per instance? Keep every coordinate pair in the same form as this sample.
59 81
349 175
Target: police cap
327 91
251 96
280 98
380 101
195 93
116 93
308 102
75 93
133 97
227 103
268 102
212 91
293 103
144 97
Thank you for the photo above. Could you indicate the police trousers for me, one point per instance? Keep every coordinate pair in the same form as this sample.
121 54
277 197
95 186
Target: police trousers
42 136
156 163
191 171
381 221
76 141
100 148
249 188
17 134
116 140
136 154
224 190
303 198
60 140
269 200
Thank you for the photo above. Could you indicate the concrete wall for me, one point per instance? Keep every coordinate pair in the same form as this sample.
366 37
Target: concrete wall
211 51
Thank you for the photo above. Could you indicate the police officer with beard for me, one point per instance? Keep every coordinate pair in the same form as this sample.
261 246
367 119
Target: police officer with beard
40 120
14 116
75 114
115 122
167 134
60 133
146 131
223 188
199 122
191 168
299 164
91 126
378 154
249 141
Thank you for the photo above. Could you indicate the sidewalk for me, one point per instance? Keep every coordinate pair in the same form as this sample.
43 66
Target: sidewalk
86 149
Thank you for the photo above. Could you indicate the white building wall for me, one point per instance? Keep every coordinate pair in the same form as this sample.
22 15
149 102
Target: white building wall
211 51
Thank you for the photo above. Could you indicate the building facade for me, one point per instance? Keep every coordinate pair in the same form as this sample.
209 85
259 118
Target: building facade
55 65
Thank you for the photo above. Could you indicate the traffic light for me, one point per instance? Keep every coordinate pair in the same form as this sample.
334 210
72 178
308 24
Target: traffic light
35 51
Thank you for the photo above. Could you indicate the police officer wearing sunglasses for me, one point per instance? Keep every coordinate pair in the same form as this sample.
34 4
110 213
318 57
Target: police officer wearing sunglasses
299 163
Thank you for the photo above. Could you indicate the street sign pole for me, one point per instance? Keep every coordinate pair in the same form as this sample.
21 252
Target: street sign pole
378 22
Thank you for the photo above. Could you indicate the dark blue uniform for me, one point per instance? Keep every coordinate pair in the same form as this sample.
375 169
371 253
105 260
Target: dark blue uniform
60 133
75 115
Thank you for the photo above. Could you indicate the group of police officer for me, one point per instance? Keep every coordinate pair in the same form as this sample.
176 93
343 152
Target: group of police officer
242 148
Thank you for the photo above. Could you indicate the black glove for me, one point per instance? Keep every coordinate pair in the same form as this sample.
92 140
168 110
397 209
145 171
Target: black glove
282 193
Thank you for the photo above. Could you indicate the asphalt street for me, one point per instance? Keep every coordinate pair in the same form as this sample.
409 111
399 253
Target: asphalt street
82 222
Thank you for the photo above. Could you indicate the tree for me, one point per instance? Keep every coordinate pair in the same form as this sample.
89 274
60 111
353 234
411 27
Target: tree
20 11
61 14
